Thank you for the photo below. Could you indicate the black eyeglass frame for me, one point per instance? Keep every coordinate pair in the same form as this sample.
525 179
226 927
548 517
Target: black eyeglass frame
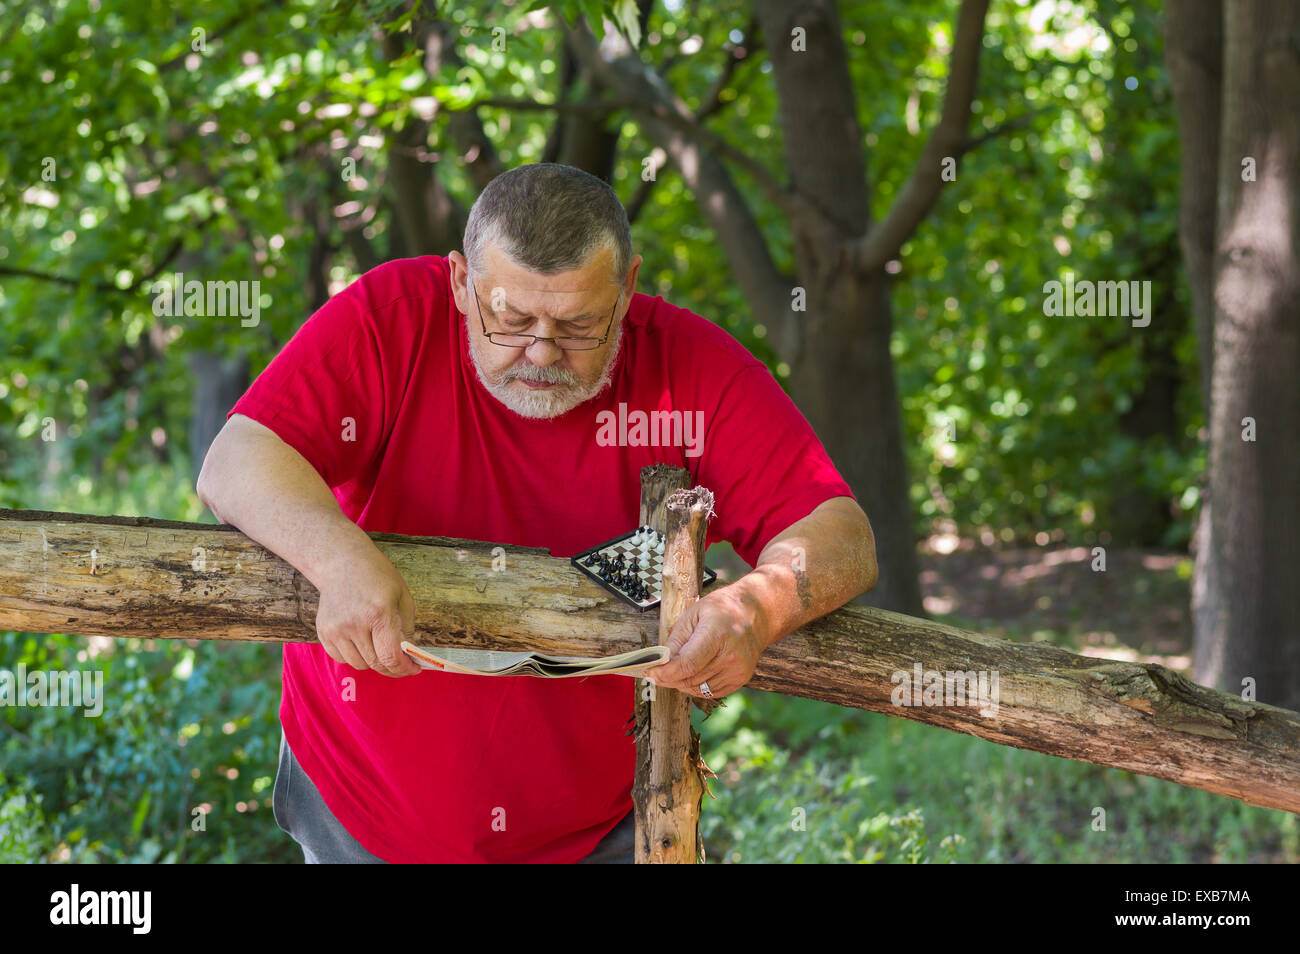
555 340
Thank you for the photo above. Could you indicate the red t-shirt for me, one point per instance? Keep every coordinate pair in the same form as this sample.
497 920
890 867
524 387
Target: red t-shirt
444 767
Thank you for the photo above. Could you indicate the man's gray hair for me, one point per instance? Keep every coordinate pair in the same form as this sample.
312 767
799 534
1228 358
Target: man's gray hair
547 217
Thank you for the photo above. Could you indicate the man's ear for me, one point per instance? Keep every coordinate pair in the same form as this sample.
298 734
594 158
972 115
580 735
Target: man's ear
632 270
459 280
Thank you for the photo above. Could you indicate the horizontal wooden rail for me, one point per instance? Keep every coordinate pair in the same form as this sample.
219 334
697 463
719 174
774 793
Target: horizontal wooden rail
128 576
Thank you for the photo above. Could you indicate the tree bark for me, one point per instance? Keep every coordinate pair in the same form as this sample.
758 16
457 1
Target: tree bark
843 382
218 384
1194 57
842 339
1255 484
427 219
168 580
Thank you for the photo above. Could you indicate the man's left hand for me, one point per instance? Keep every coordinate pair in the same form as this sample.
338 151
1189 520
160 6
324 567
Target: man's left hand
717 640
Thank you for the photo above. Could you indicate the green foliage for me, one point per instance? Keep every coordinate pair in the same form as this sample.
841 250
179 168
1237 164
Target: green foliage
811 811
22 824
183 728
623 12
1040 405
875 788
218 157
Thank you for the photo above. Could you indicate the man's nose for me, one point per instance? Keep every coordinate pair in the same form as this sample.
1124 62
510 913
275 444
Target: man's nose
544 353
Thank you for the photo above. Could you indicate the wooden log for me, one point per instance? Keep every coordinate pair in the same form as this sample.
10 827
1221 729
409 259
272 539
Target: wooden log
658 483
135 576
668 786
128 576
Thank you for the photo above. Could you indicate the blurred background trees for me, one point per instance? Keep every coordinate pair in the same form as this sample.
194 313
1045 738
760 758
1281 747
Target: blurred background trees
284 153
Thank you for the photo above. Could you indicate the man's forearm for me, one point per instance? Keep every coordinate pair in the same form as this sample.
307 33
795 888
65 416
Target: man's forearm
254 481
814 567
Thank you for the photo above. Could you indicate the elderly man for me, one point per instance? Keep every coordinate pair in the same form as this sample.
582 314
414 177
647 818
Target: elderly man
464 396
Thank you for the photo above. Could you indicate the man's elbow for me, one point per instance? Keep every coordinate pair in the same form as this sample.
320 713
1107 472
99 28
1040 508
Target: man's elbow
204 485
870 569
202 488
871 574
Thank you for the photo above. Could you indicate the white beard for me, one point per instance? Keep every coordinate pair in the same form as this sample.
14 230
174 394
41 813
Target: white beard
551 402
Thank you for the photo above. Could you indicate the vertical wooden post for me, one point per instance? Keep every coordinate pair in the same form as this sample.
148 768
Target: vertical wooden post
668 787
658 483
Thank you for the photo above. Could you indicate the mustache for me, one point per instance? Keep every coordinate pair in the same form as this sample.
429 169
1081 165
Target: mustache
539 375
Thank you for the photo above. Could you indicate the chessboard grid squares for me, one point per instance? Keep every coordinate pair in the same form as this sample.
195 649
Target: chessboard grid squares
649 573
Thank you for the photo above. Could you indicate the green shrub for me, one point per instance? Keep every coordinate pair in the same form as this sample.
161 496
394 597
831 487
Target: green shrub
873 788
184 730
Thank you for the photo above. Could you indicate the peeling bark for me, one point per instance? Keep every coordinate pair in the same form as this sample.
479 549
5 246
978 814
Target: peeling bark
669 787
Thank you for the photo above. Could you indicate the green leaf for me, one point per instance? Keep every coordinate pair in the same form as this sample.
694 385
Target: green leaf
141 811
627 16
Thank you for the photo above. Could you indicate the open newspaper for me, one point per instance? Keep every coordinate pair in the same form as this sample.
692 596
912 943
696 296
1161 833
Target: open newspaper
487 662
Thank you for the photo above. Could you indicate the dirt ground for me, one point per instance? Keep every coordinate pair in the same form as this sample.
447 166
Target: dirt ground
1137 609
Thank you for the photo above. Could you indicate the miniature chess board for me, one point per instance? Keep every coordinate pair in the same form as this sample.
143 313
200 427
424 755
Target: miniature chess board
631 567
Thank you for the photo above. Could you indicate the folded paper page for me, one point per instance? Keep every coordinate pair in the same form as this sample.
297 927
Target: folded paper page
482 662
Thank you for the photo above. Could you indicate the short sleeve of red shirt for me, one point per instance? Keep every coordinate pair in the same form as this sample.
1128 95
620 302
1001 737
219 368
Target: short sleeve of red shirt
332 392
764 463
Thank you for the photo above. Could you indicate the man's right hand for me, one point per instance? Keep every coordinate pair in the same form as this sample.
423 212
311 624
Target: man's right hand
258 483
365 612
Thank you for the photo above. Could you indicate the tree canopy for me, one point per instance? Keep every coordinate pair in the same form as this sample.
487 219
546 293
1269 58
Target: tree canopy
255 142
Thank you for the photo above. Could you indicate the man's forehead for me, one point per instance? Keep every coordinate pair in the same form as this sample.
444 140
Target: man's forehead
592 280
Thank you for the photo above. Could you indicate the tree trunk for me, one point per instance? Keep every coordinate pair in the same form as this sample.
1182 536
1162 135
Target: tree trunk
843 382
1142 512
218 383
841 344
583 140
1194 56
1255 479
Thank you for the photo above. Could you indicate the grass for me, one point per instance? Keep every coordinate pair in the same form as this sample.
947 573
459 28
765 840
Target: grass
870 788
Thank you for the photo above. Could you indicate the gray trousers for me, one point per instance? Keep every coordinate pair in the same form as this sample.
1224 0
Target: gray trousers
303 815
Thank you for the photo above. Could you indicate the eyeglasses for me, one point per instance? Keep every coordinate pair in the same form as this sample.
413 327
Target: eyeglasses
568 343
